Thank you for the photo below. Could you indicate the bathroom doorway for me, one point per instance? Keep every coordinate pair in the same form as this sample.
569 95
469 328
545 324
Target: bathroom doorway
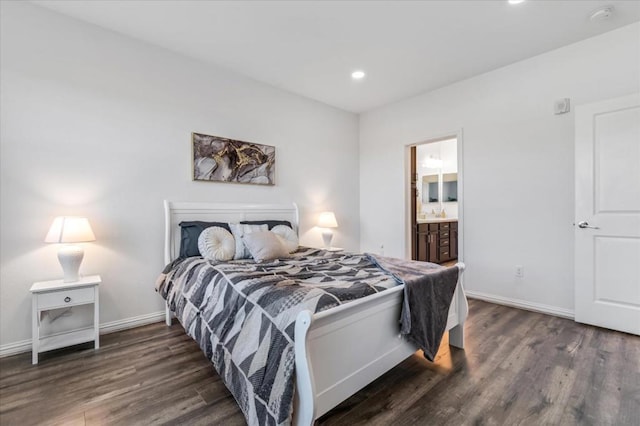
435 200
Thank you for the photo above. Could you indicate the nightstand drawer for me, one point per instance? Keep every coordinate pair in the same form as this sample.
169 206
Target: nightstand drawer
58 299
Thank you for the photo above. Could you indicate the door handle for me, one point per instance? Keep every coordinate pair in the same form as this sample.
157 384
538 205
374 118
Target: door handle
585 224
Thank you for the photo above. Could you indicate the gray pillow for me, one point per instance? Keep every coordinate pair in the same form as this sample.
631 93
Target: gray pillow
239 230
190 232
264 245
269 223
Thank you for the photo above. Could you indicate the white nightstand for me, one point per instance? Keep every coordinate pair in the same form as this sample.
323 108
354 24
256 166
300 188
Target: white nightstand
47 295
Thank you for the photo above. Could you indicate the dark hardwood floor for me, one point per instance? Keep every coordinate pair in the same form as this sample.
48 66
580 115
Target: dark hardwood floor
519 368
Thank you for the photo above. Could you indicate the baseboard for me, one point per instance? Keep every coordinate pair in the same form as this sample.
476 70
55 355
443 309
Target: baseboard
106 328
133 322
123 324
522 304
15 348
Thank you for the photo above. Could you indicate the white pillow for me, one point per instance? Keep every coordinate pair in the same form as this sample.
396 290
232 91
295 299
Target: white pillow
239 230
215 243
265 245
288 236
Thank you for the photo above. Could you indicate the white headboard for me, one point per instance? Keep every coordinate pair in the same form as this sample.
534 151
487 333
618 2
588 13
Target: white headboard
176 212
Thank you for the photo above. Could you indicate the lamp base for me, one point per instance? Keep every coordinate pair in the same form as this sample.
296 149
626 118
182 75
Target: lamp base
327 235
70 258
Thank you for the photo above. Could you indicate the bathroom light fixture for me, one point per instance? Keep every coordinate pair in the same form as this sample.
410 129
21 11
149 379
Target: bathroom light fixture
433 163
358 75
516 1
69 229
327 220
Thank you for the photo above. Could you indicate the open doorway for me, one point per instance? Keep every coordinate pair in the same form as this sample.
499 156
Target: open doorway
435 201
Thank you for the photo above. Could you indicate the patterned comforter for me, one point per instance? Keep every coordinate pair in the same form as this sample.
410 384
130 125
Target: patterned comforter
242 314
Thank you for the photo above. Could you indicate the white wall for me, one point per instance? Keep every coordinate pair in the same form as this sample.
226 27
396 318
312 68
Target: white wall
98 124
515 151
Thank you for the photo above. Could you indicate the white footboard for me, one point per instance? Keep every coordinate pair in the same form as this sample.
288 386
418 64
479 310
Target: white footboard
341 350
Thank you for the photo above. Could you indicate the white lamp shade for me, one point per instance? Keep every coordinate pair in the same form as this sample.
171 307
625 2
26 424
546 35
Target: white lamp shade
327 220
70 229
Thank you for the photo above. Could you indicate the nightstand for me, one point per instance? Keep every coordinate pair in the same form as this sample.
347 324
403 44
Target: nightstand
56 294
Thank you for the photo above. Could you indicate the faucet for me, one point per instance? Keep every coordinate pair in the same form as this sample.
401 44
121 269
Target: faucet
441 213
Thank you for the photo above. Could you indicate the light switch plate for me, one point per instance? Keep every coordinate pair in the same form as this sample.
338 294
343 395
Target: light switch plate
562 106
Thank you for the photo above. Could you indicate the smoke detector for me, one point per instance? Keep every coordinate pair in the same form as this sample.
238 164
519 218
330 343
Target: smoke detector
601 14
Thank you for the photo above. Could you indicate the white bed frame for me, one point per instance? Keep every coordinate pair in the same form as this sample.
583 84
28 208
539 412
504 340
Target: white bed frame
338 351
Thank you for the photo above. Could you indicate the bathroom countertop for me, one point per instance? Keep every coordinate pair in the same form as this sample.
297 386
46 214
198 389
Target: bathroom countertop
438 219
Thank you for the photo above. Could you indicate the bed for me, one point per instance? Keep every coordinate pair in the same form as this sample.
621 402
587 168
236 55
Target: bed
328 366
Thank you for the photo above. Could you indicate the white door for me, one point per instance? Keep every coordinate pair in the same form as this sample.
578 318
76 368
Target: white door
607 221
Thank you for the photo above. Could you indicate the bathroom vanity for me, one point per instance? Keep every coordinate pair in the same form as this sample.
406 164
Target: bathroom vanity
437 240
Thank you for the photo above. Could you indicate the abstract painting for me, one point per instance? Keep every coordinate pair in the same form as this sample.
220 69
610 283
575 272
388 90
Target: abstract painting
226 160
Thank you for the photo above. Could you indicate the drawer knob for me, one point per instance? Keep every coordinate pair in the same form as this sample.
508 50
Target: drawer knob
67 299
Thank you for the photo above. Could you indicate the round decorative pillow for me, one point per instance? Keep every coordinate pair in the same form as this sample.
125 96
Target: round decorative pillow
216 243
288 237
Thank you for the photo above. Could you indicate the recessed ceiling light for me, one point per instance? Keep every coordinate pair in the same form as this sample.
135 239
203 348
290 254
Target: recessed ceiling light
516 1
358 75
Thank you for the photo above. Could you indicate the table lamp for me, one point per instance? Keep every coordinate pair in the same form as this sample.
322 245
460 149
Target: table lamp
327 220
65 230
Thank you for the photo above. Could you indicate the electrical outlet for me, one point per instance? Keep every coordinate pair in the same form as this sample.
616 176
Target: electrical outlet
519 271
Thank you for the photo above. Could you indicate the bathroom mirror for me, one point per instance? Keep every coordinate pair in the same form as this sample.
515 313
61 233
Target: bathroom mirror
449 187
432 192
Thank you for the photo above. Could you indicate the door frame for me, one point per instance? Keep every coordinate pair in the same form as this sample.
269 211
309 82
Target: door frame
458 134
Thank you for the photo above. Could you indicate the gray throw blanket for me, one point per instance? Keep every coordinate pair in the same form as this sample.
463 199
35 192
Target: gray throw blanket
428 291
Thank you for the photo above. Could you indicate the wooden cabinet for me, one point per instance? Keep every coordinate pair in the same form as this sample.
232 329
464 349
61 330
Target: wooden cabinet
437 242
426 242
454 240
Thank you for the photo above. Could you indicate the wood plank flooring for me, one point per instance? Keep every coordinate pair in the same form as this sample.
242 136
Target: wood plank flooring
519 368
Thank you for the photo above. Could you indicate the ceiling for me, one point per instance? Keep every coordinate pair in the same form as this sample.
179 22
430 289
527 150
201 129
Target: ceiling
311 47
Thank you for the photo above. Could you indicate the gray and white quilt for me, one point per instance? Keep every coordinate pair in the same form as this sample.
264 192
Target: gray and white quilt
242 314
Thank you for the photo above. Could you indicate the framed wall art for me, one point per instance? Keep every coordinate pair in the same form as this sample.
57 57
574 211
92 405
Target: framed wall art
217 159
